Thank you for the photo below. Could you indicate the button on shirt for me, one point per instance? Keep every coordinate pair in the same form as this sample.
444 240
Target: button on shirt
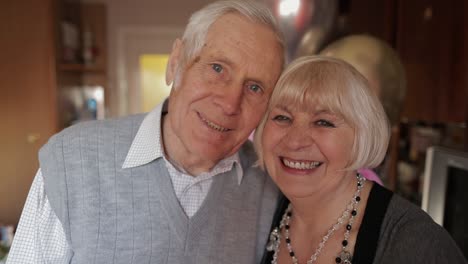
40 237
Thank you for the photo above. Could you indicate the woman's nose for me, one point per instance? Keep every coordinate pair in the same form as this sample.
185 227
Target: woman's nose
298 137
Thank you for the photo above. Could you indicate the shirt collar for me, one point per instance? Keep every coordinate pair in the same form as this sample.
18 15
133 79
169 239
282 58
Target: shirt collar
147 145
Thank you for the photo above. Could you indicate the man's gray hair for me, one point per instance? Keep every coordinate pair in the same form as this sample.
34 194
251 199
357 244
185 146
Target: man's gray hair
200 22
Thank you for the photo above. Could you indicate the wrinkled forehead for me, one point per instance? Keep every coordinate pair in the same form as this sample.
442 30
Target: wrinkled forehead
250 46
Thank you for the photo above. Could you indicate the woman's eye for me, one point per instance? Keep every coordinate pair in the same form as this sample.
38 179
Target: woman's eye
217 68
281 118
255 88
325 123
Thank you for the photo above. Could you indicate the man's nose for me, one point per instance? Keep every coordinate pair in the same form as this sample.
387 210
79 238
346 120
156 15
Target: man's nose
229 99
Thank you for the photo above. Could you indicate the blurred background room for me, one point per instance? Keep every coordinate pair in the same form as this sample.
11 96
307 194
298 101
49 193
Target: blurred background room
66 61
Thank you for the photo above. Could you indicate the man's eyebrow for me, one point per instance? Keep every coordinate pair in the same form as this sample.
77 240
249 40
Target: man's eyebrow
225 60
221 58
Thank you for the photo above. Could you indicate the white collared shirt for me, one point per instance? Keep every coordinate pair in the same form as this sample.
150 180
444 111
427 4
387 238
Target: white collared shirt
40 237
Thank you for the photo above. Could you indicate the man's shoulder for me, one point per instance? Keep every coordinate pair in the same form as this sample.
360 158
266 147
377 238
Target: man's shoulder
90 128
247 155
88 132
254 175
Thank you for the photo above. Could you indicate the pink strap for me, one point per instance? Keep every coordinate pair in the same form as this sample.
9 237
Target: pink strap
370 175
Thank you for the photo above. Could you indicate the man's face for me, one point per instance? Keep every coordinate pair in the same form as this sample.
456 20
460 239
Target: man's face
223 92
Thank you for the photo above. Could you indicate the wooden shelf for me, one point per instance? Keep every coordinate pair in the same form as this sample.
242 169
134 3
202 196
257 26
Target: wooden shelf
83 68
90 18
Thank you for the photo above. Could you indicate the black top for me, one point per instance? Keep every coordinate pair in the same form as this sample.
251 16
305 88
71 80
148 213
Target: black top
368 235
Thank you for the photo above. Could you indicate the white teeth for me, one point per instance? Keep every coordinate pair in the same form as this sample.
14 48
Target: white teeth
214 126
301 165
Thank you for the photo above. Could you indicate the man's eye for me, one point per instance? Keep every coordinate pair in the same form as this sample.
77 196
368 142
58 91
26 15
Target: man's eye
255 88
324 123
217 68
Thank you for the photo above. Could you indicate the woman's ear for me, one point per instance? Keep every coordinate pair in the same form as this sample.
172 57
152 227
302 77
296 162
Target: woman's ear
173 62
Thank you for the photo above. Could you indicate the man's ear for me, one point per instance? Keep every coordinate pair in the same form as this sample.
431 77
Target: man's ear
173 61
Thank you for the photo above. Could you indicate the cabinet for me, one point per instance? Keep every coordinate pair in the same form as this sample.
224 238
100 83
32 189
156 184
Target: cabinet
430 42
31 76
81 54
431 37
28 97
376 18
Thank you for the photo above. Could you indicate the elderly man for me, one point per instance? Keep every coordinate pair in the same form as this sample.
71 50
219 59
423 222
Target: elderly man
176 185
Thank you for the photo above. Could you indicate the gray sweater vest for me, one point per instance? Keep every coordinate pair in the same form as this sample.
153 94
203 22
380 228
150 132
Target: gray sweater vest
115 215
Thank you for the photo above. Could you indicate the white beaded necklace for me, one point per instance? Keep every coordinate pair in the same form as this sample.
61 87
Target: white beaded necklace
344 256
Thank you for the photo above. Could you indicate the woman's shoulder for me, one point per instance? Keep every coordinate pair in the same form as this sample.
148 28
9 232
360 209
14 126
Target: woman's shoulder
402 212
399 212
409 234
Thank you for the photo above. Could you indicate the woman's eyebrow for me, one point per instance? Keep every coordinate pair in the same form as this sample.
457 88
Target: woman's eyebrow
283 107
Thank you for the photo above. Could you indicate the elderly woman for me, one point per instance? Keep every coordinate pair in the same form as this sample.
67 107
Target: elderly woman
322 124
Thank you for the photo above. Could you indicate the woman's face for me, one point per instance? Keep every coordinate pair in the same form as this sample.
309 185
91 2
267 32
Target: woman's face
305 148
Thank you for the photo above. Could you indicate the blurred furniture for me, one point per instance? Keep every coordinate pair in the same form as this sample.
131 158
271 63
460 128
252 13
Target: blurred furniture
444 195
28 97
81 52
431 37
32 73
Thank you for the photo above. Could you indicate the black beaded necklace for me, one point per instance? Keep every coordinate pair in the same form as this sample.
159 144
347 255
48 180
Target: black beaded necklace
344 256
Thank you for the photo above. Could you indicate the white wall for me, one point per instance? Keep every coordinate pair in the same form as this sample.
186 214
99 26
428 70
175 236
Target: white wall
124 15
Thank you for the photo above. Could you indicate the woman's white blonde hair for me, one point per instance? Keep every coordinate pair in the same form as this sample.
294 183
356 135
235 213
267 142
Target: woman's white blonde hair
195 33
339 88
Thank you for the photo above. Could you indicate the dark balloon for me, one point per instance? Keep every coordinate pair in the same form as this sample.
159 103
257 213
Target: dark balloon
309 27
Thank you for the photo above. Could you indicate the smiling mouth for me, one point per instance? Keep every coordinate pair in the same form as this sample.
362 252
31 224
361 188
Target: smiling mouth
301 165
213 125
